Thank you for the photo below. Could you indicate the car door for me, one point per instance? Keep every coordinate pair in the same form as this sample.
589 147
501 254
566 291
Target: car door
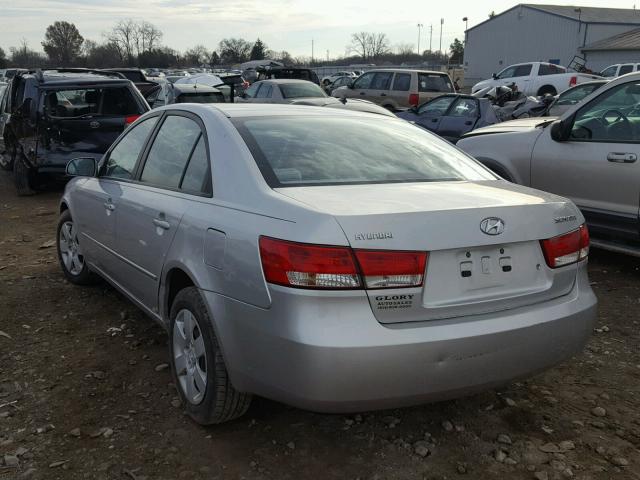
361 87
379 89
597 167
460 118
97 199
518 74
152 208
430 114
4 118
399 93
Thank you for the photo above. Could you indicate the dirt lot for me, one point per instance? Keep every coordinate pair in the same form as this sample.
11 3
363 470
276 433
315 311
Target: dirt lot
83 395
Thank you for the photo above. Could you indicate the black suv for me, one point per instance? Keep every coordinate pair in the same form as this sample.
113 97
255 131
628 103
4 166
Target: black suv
49 117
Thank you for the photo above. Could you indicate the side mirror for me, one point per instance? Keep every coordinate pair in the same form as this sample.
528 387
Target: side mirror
559 131
494 76
82 167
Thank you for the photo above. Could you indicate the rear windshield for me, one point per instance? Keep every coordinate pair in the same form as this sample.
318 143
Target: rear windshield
301 90
297 151
108 101
428 82
213 97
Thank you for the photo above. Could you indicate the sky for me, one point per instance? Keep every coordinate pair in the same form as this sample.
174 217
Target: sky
291 25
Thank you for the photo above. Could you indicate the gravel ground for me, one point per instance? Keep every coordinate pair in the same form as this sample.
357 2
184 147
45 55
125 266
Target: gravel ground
85 394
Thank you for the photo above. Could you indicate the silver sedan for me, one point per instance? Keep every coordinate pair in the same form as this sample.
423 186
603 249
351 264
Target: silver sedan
333 260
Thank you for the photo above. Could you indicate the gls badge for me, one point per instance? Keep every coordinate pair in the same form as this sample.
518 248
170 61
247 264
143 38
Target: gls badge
492 226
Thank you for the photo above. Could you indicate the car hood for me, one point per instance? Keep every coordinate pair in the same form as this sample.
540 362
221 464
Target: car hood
520 125
315 101
483 84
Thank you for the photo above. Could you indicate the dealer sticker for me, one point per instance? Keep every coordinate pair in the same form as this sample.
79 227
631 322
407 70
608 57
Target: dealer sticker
393 302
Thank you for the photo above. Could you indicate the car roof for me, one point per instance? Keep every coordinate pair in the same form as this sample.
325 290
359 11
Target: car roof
53 78
402 70
193 87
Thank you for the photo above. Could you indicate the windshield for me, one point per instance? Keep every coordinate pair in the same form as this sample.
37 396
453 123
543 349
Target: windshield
301 90
295 151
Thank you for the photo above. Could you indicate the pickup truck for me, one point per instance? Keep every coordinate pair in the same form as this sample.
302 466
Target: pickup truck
536 78
589 154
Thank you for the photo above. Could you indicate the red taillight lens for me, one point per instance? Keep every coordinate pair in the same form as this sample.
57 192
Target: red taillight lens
573 81
129 119
310 266
414 99
329 267
566 249
387 269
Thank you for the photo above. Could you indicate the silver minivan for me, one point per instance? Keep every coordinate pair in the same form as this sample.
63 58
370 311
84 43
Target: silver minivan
397 89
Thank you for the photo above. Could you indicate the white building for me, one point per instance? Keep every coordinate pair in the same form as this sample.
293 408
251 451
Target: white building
550 33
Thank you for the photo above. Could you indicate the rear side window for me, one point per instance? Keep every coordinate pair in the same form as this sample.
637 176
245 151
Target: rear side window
72 103
549 69
170 152
624 69
300 90
402 82
197 178
296 151
124 156
212 97
428 82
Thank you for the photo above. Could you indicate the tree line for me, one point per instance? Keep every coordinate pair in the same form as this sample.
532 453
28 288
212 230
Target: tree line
131 43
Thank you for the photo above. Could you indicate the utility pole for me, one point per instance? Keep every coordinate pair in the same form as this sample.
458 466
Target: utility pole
312 51
441 23
419 28
327 55
430 37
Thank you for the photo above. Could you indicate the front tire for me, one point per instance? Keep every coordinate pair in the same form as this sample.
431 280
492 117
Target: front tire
198 367
70 254
547 90
23 177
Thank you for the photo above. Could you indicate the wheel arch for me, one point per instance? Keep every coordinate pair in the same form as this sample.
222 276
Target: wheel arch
497 168
548 88
175 279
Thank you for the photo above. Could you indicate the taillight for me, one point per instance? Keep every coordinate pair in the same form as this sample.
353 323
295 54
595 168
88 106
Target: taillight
332 267
311 266
566 249
414 99
129 119
573 81
388 269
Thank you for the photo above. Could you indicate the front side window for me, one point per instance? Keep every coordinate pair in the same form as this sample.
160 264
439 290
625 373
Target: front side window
437 107
464 107
610 71
301 90
170 152
265 91
122 159
341 150
252 91
613 116
364 81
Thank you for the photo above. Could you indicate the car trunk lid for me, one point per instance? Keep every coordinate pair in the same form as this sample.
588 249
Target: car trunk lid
468 272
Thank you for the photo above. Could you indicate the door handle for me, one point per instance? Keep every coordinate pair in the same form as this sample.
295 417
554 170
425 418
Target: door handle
361 93
468 122
383 94
434 120
109 206
158 222
621 157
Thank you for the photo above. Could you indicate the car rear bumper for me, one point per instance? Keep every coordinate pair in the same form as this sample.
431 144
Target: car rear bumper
333 356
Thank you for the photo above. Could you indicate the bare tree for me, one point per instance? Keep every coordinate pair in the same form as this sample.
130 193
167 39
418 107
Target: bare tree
378 44
197 55
234 50
147 37
360 44
123 36
404 49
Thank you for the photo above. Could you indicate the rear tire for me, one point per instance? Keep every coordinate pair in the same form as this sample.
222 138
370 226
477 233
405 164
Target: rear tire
70 256
206 393
23 177
547 90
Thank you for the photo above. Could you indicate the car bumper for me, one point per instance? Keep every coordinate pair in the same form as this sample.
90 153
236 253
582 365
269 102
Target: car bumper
333 356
